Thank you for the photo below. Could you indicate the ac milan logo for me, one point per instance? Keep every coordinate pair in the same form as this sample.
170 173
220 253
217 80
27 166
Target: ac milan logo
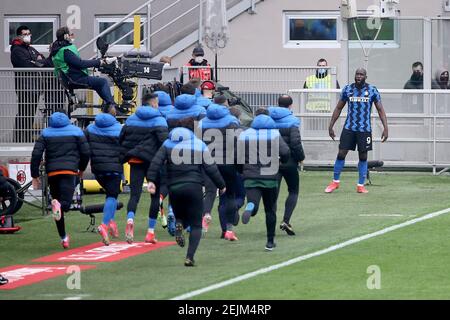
21 177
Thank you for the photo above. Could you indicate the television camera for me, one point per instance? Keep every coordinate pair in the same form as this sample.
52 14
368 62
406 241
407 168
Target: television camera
133 64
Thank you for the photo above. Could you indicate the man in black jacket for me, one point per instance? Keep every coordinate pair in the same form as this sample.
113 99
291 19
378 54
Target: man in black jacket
416 80
140 138
218 119
289 127
66 156
103 138
28 84
181 153
264 147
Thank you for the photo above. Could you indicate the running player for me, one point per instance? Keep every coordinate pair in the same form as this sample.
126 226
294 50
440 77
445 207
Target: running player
263 145
140 138
218 119
181 152
66 156
103 138
357 129
289 127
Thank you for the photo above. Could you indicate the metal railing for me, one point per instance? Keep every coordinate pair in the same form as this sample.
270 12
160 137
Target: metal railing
418 120
261 86
150 17
27 97
118 23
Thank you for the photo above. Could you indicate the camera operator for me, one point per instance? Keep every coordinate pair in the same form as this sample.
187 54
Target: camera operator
66 58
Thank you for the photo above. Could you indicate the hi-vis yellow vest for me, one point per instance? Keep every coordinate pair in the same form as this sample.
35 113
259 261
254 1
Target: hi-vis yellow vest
318 102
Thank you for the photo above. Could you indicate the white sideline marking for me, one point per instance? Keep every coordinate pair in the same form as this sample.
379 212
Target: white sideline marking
308 256
387 215
73 298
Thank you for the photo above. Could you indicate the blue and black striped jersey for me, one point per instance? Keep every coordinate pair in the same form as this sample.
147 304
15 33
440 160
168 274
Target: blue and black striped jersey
359 106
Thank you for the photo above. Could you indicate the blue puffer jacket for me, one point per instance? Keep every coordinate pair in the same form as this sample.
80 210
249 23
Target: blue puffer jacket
164 103
192 165
258 141
185 107
289 127
143 134
103 138
64 144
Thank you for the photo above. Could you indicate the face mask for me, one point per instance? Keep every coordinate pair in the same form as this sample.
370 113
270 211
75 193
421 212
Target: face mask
322 71
26 39
417 74
199 59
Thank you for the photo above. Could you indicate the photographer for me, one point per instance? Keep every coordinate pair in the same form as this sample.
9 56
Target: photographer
66 59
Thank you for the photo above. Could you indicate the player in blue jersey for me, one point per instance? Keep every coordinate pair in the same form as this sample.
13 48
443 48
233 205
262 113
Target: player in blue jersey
357 129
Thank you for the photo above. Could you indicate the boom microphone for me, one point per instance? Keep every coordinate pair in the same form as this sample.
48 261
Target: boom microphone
97 208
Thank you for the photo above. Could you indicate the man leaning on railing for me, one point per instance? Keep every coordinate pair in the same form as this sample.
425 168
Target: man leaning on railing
28 84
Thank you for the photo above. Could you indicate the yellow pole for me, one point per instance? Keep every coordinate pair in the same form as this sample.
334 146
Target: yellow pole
137 32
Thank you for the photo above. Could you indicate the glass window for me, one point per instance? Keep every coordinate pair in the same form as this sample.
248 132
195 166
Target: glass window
43 30
123 34
311 30
367 30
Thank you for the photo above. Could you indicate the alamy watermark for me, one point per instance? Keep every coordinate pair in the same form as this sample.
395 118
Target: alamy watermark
228 147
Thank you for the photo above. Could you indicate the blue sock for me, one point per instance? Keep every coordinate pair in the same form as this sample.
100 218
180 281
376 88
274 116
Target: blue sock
171 211
362 169
151 223
250 206
109 209
338 166
130 215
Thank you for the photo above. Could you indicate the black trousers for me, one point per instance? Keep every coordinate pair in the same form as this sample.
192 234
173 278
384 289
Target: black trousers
138 172
291 176
110 184
187 204
62 188
229 174
210 193
269 197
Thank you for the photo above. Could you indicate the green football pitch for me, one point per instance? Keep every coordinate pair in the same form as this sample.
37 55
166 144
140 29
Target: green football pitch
411 262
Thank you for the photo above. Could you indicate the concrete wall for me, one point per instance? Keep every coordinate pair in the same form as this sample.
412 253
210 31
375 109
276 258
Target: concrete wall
256 39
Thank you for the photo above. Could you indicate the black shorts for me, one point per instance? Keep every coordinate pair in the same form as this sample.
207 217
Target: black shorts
349 139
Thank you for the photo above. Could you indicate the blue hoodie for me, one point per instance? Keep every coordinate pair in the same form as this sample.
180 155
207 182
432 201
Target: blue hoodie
185 107
146 117
204 102
105 125
164 103
283 117
262 127
183 138
60 126
218 116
